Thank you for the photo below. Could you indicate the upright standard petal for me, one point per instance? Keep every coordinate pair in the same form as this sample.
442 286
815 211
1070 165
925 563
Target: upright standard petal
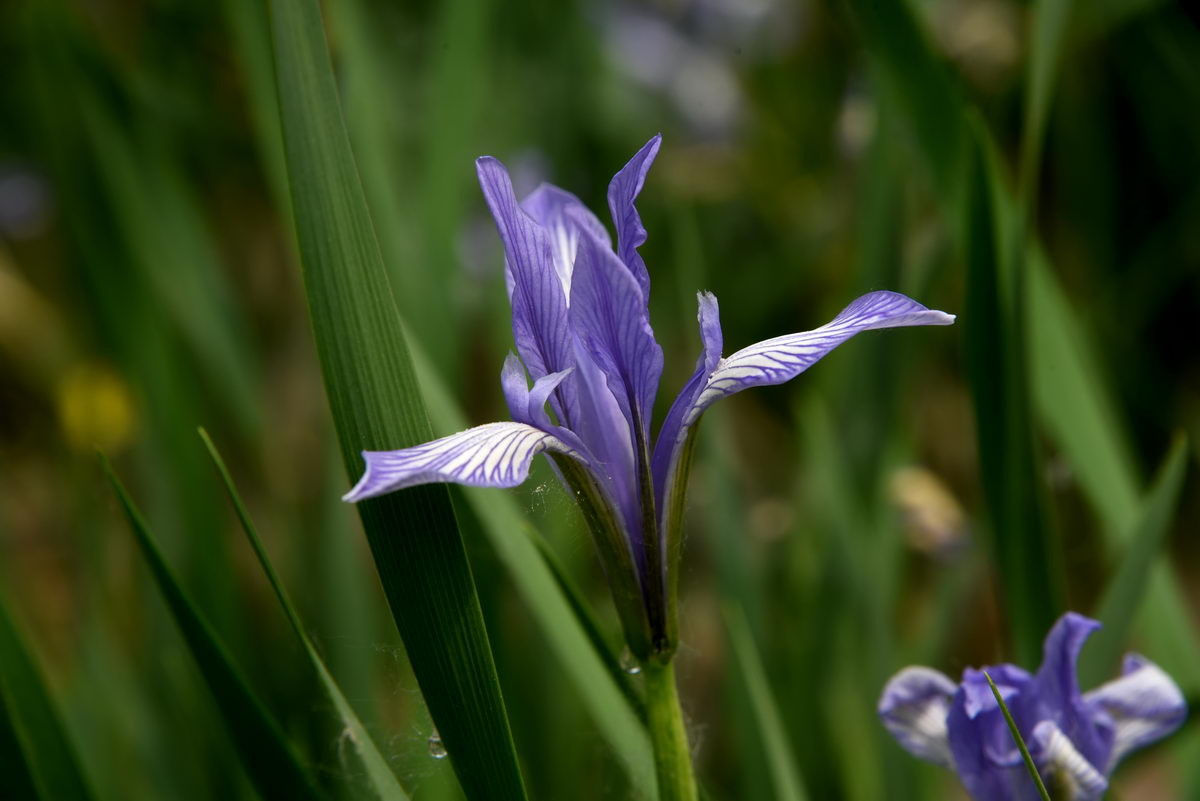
914 707
622 192
781 359
563 215
1142 706
541 328
491 455
608 314
1056 695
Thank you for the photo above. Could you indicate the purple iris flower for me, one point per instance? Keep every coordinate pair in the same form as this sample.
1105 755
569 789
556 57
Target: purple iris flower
582 329
1076 739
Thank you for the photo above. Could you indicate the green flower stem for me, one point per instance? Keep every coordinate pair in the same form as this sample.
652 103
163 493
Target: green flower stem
672 759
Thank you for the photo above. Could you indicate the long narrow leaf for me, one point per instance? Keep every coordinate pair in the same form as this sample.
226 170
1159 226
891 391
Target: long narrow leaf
36 737
1125 591
1048 34
1075 408
266 755
376 404
995 366
382 780
782 765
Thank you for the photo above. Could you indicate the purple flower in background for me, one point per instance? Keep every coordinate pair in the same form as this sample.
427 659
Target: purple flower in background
582 330
1076 739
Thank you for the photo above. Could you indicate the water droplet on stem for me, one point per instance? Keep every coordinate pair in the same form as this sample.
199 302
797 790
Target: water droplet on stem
437 749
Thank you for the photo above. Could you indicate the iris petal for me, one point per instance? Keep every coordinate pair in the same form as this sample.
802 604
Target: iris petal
541 327
562 215
608 314
781 359
670 435
1142 706
490 455
1064 768
622 191
1057 691
985 757
913 708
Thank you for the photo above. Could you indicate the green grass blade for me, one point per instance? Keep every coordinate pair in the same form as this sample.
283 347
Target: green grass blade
1020 741
780 763
45 757
251 33
1074 406
376 404
379 774
1004 431
1121 599
1048 34
265 753
573 637
373 88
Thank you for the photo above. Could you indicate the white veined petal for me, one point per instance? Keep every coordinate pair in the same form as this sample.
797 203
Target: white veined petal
913 708
1144 705
566 243
1060 761
491 455
781 359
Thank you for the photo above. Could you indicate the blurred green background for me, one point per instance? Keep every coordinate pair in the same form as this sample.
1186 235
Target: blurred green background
813 151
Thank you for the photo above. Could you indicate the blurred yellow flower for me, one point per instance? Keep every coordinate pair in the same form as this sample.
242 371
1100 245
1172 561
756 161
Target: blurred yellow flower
95 408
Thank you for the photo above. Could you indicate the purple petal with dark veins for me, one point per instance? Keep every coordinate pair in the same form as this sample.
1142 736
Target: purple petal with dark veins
562 215
622 191
781 359
540 324
514 382
491 455
524 404
913 708
667 444
604 431
1142 706
608 314
540 393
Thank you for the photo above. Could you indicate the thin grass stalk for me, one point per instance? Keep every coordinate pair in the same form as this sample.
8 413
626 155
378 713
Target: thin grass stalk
1020 741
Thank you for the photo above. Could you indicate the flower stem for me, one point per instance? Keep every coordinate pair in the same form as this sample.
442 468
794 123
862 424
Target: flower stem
672 759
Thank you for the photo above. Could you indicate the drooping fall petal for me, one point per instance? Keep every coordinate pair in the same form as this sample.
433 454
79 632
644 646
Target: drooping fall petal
1142 706
490 455
781 359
